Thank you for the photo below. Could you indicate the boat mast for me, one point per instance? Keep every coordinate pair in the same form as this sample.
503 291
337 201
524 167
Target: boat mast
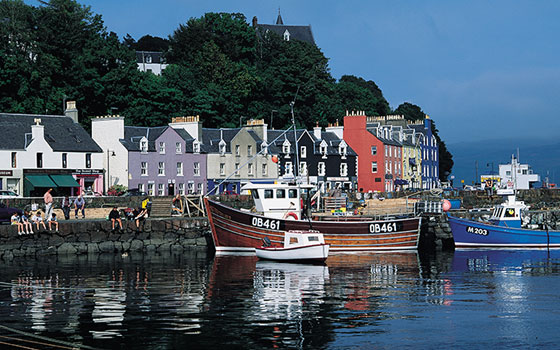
296 173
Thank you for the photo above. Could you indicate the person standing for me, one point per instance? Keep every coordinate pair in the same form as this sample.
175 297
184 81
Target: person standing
48 199
80 204
66 207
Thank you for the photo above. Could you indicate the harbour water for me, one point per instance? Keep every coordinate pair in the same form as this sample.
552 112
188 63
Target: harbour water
466 299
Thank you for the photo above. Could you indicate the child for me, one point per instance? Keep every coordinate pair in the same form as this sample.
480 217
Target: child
53 222
26 223
15 221
38 220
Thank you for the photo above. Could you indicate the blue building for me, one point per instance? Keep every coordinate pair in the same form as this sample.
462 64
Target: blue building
430 153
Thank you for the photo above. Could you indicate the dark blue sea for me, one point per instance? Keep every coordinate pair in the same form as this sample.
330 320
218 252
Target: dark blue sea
194 300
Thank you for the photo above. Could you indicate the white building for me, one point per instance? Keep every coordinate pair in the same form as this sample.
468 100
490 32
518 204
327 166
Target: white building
150 61
516 175
38 152
108 132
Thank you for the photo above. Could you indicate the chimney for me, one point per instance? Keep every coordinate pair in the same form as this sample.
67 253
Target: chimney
259 127
71 111
190 124
37 130
255 22
317 131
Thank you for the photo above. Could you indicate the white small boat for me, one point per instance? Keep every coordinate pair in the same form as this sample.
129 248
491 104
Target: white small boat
299 246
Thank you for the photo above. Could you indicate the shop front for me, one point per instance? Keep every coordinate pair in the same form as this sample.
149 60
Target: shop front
37 182
90 181
11 180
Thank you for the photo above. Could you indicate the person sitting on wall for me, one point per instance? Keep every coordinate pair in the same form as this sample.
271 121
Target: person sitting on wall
177 206
26 223
115 217
53 222
142 215
15 220
38 220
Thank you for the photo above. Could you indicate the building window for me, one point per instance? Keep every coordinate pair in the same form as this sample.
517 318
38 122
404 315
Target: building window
160 189
343 169
373 150
178 147
181 189
141 187
88 160
196 147
374 167
286 147
237 150
222 169
39 160
150 189
222 147
162 148
303 152
199 188
323 149
190 187
144 146
250 171
249 150
288 167
321 169
264 170
342 150
161 169
386 152
144 168
302 168
65 160
14 159
264 148
179 168
196 169
237 172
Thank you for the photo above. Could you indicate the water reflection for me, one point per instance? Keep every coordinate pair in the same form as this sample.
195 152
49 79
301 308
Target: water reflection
200 301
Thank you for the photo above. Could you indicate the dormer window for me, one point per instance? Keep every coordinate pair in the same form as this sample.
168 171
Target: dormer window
196 147
222 147
144 146
264 148
323 148
148 59
287 35
342 149
286 147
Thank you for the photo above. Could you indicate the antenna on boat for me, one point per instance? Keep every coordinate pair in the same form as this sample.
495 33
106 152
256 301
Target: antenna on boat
295 134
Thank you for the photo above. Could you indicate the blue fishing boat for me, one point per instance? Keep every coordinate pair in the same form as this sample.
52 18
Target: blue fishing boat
506 228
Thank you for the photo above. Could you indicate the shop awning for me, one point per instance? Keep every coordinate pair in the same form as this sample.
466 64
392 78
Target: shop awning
64 181
40 181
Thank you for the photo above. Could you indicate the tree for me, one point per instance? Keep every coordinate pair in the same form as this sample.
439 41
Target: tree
410 111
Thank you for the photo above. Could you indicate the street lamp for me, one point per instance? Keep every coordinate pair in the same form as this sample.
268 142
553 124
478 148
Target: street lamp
112 154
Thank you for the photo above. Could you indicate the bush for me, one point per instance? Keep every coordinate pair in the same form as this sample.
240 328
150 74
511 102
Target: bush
116 190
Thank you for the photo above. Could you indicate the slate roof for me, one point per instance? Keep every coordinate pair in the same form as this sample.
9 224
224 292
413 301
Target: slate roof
142 57
211 138
61 133
133 135
301 33
330 138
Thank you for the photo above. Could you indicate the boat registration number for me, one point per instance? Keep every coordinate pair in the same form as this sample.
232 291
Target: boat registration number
266 223
477 231
385 227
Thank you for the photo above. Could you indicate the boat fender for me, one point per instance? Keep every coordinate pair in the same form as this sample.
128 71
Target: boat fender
292 215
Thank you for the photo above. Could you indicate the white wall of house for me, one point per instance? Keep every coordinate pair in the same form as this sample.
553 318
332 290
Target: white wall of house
107 131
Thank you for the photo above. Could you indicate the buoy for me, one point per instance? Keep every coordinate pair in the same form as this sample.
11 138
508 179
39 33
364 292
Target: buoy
274 159
446 205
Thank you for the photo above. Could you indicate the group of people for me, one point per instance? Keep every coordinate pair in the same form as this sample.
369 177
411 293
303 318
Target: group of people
25 221
136 215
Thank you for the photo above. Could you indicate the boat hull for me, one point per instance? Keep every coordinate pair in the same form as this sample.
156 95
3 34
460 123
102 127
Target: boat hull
474 234
235 230
310 253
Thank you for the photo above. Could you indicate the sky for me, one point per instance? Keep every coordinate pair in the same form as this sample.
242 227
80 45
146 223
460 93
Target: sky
481 69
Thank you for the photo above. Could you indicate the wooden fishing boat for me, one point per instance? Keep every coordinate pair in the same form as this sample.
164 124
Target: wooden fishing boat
299 246
278 209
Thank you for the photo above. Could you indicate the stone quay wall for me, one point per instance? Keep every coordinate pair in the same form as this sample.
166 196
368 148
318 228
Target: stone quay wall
96 236
435 233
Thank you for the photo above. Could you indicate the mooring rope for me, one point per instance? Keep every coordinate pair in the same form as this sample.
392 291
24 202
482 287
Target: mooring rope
52 340
35 342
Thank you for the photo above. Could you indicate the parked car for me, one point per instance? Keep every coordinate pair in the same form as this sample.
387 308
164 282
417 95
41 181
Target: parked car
133 192
89 194
7 194
6 214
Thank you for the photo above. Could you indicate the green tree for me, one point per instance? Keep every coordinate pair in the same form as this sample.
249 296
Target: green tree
410 111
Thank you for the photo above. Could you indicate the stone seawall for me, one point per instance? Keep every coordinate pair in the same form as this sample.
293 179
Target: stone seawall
96 236
435 233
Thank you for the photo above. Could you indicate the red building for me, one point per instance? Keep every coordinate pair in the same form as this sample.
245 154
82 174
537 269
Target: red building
370 150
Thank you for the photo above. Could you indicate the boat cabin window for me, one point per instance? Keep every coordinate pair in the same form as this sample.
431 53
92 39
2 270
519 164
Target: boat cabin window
292 193
255 194
268 194
280 193
510 213
293 240
313 238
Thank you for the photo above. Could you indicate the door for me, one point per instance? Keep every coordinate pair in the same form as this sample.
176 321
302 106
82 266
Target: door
171 189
